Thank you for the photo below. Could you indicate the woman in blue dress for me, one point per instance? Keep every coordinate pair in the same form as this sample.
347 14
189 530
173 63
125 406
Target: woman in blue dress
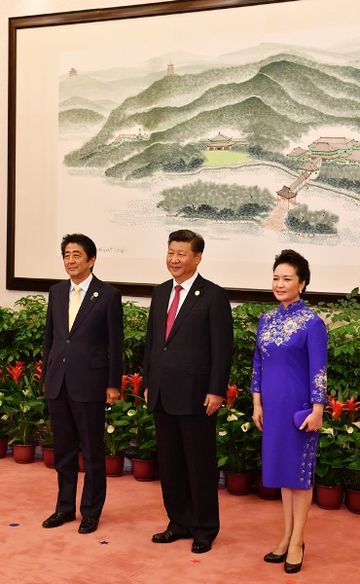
289 375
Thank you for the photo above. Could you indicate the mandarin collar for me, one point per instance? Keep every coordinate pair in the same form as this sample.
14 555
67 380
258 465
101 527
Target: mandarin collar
293 307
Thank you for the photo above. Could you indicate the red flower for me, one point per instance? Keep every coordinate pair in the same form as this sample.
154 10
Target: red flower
135 380
124 383
16 371
336 408
231 395
351 405
38 370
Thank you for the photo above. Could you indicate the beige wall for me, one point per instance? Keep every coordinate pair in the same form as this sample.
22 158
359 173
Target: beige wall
9 9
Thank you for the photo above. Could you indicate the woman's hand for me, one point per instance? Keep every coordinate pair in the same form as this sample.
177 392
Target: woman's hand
314 421
258 416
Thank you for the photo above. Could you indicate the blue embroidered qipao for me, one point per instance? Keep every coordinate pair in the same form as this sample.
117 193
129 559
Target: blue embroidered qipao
290 373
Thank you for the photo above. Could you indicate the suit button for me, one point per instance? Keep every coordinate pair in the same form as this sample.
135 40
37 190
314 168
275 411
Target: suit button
68 341
165 349
64 359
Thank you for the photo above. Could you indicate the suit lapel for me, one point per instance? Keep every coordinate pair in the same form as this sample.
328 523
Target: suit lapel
190 301
91 297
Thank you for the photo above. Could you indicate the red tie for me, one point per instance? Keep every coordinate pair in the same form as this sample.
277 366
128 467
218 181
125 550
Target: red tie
171 315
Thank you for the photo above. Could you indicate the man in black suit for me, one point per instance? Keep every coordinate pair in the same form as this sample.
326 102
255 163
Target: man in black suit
82 369
186 369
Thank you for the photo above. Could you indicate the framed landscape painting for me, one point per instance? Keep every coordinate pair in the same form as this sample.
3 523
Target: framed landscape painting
238 119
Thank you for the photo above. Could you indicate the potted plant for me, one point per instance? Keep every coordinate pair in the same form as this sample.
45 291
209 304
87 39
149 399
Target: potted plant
330 461
238 442
352 485
116 436
142 449
24 407
337 449
4 425
4 433
352 473
44 436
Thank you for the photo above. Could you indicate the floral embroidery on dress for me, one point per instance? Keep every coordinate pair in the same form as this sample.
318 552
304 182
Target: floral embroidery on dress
255 381
319 387
281 324
307 467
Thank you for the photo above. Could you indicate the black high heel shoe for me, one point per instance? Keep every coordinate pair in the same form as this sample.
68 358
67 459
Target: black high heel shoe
275 558
293 568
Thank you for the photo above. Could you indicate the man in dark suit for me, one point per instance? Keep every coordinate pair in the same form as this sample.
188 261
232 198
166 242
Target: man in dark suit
186 369
82 369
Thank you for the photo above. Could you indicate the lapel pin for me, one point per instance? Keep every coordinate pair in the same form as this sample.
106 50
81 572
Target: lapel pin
197 292
94 295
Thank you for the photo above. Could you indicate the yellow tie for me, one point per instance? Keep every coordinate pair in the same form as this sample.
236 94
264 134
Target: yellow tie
74 304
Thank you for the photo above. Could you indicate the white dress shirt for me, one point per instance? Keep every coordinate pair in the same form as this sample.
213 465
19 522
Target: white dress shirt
84 285
184 292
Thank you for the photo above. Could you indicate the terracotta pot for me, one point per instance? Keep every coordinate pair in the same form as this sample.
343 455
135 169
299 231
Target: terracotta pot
144 470
267 492
3 446
24 453
239 483
352 500
49 456
329 497
114 465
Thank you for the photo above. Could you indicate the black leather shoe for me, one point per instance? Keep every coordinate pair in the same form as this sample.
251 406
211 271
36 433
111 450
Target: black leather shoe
168 536
88 525
275 558
200 546
58 518
293 568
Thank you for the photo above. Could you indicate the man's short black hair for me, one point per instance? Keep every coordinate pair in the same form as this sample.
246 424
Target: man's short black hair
86 243
195 239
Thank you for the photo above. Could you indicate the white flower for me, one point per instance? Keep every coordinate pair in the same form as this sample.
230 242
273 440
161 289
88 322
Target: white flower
110 429
131 413
4 417
26 392
237 413
349 429
232 418
222 433
327 431
245 426
357 424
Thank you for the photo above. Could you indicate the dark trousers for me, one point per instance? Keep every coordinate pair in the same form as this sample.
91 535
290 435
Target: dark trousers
188 472
79 425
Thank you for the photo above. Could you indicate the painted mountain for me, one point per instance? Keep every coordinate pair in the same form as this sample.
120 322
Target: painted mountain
270 104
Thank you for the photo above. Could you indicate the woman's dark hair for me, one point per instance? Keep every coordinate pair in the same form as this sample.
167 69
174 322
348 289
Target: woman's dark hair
86 243
196 240
301 265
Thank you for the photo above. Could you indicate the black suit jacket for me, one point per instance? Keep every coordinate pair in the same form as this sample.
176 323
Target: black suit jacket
89 357
196 358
